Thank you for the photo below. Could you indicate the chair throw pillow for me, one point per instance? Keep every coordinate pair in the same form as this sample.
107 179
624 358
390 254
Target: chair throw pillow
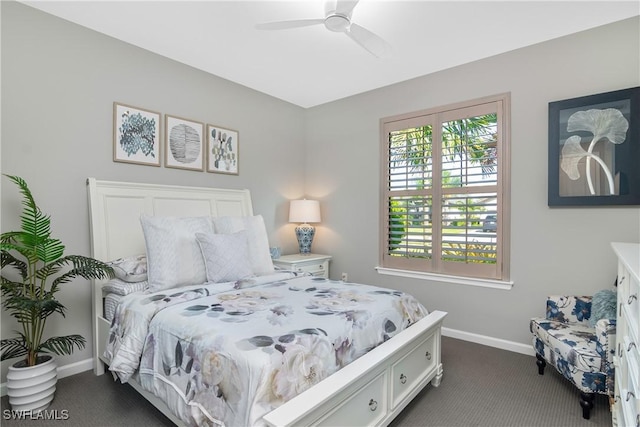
603 306
226 256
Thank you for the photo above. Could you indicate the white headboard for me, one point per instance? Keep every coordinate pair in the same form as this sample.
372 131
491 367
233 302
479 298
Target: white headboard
114 212
115 209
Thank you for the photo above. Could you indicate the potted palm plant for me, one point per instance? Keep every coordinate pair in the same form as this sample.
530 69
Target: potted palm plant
33 269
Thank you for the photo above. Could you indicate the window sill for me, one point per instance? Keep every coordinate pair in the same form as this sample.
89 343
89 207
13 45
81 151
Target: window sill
459 280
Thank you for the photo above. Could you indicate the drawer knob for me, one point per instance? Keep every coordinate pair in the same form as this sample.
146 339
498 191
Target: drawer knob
630 394
631 345
622 280
373 405
427 355
631 298
403 379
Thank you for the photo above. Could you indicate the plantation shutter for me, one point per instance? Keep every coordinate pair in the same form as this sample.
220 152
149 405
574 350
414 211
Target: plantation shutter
442 192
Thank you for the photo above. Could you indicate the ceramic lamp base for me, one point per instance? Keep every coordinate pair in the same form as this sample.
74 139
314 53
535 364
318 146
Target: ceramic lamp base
305 233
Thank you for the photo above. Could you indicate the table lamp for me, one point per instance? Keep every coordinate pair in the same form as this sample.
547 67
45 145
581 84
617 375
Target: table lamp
304 211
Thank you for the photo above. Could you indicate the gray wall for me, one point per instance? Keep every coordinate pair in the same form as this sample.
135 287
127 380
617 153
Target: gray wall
557 250
59 82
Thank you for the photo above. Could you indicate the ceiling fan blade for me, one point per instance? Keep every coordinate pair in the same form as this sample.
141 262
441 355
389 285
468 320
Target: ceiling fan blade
329 7
369 41
285 25
345 7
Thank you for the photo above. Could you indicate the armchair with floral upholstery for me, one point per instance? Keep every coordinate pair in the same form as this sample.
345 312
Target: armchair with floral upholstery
566 339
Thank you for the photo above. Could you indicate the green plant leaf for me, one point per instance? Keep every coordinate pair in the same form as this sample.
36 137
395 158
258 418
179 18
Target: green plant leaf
9 260
49 250
13 347
85 267
62 345
42 270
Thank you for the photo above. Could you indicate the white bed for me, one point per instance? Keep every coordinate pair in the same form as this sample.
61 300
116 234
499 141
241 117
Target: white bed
371 390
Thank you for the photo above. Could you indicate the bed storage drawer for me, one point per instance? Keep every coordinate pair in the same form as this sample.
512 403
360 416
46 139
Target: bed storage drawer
367 405
363 393
412 368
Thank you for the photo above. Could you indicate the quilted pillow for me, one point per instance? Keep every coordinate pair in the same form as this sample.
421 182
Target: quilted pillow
120 287
603 306
173 253
260 256
226 256
130 269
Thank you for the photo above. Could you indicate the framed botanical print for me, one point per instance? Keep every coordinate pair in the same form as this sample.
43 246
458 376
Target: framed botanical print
136 135
222 150
184 143
594 150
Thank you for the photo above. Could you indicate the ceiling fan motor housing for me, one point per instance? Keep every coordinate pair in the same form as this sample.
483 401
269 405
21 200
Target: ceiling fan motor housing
337 23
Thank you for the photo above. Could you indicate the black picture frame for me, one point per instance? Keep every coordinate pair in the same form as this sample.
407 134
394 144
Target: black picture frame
573 126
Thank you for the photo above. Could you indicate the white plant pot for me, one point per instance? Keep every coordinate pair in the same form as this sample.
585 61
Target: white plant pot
31 388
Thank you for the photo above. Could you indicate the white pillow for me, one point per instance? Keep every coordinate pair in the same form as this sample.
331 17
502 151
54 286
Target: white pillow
120 287
256 235
130 269
226 256
173 255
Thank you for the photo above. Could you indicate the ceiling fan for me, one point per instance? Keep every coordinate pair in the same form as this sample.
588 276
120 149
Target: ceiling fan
337 19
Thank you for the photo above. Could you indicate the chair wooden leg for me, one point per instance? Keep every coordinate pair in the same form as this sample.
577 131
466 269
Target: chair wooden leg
586 401
541 364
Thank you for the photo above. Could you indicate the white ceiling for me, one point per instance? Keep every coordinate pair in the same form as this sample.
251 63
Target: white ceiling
311 66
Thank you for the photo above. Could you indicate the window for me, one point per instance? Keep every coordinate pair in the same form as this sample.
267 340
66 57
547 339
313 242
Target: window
445 190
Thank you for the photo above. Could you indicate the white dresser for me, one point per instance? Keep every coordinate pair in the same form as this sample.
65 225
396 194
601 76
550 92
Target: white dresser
626 408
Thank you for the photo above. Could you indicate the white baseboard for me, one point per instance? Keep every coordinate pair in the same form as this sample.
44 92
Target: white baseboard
516 347
63 371
87 364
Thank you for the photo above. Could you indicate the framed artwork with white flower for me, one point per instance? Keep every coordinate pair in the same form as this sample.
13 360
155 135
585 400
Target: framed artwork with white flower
222 150
594 149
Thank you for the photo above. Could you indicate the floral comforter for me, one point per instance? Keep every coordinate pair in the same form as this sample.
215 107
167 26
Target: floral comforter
230 353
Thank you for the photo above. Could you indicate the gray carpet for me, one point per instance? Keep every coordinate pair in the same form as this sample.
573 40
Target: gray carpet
482 386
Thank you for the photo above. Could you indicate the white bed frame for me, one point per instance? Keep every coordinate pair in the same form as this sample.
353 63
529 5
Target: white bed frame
372 390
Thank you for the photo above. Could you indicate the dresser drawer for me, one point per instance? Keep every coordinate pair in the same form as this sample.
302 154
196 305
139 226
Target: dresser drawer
628 378
365 407
412 368
629 409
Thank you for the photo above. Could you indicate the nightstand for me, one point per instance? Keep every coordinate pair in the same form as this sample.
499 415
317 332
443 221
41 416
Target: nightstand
318 265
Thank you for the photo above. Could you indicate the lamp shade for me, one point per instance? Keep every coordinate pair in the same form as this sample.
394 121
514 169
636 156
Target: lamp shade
304 211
